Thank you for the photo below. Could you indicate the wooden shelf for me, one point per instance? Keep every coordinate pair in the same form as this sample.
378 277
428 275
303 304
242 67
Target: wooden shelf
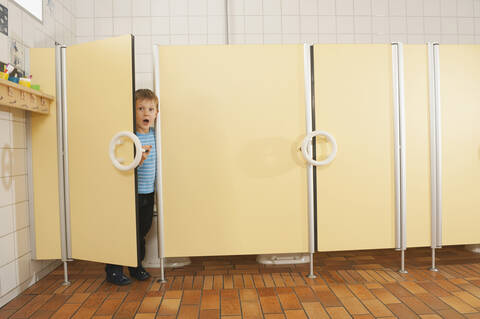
22 97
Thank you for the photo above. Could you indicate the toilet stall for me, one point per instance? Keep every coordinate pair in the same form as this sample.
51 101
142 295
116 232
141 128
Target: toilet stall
240 133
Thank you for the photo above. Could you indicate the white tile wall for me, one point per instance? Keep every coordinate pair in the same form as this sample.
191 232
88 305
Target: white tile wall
17 269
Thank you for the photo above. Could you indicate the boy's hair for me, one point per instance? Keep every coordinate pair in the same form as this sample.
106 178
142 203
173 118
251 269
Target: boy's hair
146 94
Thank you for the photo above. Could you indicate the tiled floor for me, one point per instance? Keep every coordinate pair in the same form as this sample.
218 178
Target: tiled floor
359 284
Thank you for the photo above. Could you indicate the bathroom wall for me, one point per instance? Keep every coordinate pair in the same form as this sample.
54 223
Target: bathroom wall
17 270
275 21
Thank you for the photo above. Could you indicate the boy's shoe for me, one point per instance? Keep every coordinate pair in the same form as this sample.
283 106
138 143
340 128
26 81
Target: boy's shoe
139 273
118 278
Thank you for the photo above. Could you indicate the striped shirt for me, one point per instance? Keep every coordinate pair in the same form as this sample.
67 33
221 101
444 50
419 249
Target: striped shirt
146 172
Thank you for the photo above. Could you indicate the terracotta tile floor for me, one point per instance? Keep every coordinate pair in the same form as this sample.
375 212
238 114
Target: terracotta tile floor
354 284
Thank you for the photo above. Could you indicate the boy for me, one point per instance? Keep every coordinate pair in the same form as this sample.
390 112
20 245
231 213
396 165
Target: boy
146 109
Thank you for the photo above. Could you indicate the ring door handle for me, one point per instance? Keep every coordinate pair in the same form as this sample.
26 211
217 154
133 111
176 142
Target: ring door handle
116 140
308 139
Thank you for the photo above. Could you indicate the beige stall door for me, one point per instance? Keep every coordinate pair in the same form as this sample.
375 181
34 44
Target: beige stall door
460 112
100 104
353 101
232 119
45 160
417 150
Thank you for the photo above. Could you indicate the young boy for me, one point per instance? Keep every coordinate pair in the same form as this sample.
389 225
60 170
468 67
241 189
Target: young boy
146 109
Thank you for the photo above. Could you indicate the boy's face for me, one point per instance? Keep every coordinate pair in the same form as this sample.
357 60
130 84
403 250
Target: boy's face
146 112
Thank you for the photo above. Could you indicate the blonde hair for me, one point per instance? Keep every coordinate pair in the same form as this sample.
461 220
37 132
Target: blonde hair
145 94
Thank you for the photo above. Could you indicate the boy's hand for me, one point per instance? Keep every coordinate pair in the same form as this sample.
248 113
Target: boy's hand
145 153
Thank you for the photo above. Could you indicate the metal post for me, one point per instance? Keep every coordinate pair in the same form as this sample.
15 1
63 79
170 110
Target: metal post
158 136
434 268
308 121
399 133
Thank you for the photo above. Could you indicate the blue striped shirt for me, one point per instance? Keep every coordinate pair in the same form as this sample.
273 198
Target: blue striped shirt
147 171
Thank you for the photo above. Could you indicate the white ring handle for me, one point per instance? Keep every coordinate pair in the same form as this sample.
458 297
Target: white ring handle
307 141
138 150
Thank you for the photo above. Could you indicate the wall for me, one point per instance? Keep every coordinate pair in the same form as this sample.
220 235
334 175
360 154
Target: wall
17 270
275 21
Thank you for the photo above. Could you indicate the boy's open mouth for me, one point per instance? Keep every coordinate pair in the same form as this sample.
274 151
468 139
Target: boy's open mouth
146 121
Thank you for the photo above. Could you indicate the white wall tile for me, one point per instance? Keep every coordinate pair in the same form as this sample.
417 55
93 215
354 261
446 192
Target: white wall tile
237 24
380 26
432 25
397 8
291 24
291 7
449 26
449 39
271 7
104 27
465 8
466 39
253 7
143 63
254 38
363 25
5 140
7 220
179 25
415 39
20 190
141 8
466 26
22 242
477 30
327 38
198 39
122 8
18 135
345 25
23 268
216 24
362 7
431 8
197 24
272 24
143 44
415 25
398 25
309 38
216 7
326 7
179 7
85 27
448 8
142 25
161 39
253 24
415 8
8 277
216 38
363 38
345 38
236 7
160 25
291 38
476 8
14 21
103 8
198 7
380 7
380 38
160 8
7 247
344 8
308 25
28 30
272 39
122 25
308 7
19 166
20 213
327 25
399 38
432 38
237 39
84 8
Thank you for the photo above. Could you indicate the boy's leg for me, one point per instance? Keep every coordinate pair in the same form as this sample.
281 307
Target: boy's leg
115 275
146 202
